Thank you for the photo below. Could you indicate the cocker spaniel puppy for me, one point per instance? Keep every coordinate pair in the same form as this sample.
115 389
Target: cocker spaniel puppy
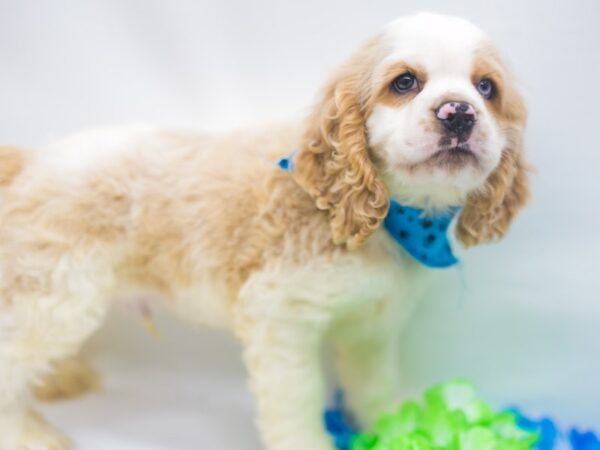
424 116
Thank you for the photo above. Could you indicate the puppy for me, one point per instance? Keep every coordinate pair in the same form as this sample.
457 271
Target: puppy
425 113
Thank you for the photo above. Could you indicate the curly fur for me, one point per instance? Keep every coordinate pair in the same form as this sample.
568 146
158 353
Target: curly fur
334 164
488 212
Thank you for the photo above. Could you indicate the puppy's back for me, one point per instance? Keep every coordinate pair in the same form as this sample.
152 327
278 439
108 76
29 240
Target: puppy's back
12 161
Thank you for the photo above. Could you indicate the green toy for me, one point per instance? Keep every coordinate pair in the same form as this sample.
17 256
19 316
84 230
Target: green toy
449 418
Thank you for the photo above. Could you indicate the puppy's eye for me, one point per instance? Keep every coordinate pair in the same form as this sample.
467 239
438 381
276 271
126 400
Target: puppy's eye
405 83
486 88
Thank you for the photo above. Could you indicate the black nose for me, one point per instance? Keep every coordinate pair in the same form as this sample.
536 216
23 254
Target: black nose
457 117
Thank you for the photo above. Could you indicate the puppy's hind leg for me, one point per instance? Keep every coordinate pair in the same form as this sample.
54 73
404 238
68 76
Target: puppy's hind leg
41 322
68 378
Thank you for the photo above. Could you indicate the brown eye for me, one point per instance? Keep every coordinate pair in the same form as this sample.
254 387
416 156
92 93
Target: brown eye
486 88
405 83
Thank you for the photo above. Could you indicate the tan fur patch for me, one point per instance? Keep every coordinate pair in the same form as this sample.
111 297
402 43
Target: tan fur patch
69 378
12 161
387 96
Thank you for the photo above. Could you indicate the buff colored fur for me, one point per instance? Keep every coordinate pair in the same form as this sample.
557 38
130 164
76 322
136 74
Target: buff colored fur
489 212
212 226
334 165
68 378
13 161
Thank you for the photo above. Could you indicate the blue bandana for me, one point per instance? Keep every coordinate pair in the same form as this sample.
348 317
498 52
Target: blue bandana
420 234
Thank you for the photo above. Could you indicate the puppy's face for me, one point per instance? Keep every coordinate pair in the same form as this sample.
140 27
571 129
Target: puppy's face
425 113
436 109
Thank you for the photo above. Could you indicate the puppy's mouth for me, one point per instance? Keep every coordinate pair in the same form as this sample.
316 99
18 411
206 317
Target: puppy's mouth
456 156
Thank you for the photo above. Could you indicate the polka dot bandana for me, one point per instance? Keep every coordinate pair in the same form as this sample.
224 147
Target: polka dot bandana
422 235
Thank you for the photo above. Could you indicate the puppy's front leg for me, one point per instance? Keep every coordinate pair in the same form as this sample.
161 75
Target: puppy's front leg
283 361
366 359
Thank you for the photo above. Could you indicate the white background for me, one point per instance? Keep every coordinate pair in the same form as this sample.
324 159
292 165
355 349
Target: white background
522 319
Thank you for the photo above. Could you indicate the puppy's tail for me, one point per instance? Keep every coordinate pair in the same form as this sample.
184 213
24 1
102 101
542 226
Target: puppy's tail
12 162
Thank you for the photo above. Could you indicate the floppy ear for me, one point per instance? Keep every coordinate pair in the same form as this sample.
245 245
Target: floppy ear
488 213
334 165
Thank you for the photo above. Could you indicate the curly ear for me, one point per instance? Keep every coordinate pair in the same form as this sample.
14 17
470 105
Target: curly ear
334 165
488 213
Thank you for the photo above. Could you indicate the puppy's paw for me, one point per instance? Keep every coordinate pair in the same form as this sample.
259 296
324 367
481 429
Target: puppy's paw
37 434
70 378
366 411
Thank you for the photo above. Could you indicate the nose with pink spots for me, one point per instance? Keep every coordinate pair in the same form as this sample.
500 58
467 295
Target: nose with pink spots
458 118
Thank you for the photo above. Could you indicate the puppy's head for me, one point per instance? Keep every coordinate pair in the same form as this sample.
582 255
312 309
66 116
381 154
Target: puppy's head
426 113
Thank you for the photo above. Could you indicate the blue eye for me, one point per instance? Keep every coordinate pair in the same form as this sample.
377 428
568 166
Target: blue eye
486 88
405 83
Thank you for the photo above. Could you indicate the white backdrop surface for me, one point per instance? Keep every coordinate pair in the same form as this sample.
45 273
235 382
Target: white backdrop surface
524 320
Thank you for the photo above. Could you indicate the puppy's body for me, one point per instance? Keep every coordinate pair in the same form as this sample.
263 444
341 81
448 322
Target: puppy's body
211 224
177 213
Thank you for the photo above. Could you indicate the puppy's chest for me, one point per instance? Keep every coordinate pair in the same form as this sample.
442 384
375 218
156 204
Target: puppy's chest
383 289
380 271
